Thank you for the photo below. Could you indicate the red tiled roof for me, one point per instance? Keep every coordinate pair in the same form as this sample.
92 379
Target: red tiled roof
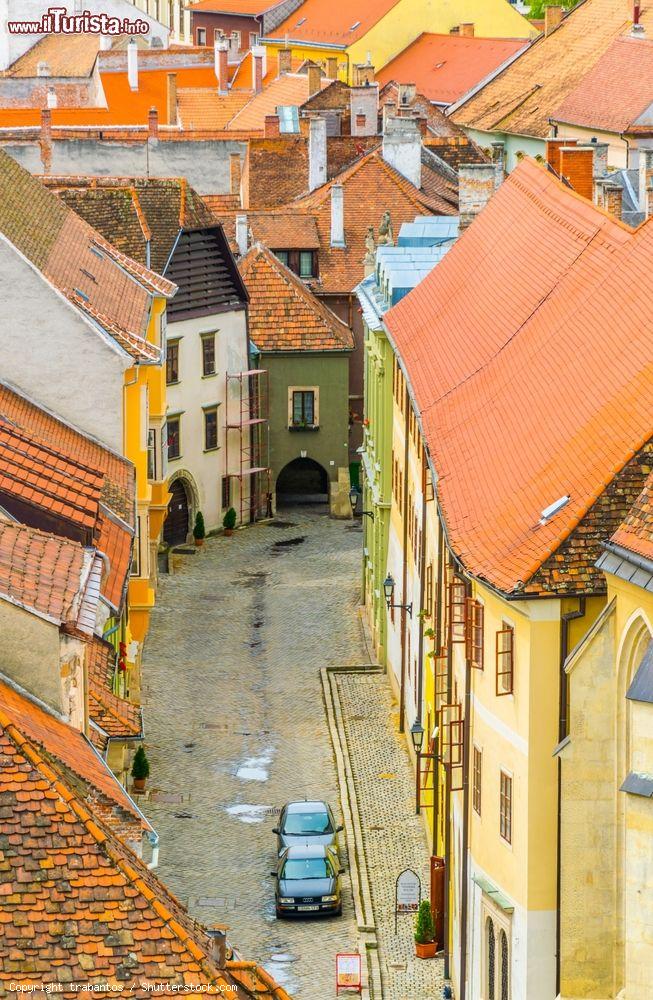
204 108
62 742
115 716
41 571
445 67
616 91
336 23
635 533
529 350
289 90
121 924
283 314
42 477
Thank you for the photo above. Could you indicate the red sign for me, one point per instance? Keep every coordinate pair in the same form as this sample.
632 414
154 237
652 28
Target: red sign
348 972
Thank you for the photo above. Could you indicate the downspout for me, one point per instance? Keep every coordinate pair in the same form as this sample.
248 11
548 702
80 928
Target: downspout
438 646
402 688
465 843
562 732
625 140
447 833
422 560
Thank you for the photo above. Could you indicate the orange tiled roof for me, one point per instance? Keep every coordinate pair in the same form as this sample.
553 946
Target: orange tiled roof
204 108
42 572
66 56
523 97
116 542
529 352
616 91
337 23
279 230
635 533
77 260
445 67
62 742
44 478
116 717
289 90
283 314
121 923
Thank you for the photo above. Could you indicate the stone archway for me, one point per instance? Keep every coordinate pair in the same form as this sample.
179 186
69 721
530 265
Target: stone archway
303 481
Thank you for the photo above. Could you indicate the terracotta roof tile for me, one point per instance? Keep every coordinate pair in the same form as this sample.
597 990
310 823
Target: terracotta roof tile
336 23
523 97
635 533
446 67
509 428
205 108
615 92
279 230
289 90
283 314
66 56
115 716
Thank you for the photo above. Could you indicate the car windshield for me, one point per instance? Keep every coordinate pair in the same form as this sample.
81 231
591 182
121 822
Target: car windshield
307 822
300 868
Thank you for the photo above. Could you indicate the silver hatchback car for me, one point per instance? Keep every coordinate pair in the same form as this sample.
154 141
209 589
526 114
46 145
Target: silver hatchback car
307 824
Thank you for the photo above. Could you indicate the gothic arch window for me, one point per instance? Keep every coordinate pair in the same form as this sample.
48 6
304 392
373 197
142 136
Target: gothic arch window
505 966
491 959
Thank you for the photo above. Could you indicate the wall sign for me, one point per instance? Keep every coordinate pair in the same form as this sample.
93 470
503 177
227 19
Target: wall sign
408 893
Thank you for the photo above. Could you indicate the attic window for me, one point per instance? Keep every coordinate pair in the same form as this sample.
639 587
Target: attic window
355 25
439 65
98 253
81 294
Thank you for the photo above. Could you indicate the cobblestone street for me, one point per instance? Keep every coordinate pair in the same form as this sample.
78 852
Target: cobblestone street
235 725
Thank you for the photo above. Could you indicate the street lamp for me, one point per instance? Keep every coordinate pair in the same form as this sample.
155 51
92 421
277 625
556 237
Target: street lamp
389 590
353 500
417 735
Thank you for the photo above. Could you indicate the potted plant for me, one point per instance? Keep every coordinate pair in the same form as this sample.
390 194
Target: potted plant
199 531
140 769
229 521
425 943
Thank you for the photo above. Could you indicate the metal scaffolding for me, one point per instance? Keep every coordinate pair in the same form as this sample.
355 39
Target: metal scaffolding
247 461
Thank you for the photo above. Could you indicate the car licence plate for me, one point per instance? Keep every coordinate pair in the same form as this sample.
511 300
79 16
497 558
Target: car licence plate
305 908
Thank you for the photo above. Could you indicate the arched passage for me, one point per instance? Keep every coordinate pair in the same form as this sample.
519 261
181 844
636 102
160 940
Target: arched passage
177 522
303 481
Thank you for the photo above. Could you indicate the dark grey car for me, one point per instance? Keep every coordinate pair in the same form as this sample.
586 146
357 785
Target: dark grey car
308 882
306 823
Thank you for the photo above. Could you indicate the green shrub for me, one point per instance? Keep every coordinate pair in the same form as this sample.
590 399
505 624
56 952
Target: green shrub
424 926
199 531
140 764
229 520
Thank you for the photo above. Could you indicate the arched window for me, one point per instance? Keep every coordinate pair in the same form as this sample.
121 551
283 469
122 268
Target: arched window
505 968
491 960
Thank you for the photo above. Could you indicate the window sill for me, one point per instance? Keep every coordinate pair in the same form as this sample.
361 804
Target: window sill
176 382
174 458
309 427
212 375
207 451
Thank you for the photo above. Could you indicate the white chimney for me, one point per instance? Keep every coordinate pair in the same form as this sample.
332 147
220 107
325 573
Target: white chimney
105 42
337 216
241 234
132 65
51 98
317 153
402 148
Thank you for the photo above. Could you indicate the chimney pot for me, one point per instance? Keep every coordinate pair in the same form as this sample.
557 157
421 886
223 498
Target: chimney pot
132 65
552 18
242 236
317 153
337 216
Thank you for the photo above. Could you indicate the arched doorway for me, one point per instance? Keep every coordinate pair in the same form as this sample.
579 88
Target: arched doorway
303 481
177 522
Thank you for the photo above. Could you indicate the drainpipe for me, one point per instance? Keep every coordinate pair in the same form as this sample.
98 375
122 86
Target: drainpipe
447 834
466 823
438 646
627 144
562 732
422 560
402 689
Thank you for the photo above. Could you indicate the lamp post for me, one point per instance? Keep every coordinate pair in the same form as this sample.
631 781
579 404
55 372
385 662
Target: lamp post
353 500
417 736
389 591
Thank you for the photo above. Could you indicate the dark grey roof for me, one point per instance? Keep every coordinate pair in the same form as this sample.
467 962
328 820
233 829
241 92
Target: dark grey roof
641 688
628 180
626 565
638 783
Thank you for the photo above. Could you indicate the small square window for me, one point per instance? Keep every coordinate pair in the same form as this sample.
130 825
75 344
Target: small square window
172 362
306 264
303 408
208 354
200 36
211 429
173 437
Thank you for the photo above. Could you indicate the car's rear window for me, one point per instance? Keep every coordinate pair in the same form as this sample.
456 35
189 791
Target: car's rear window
299 868
307 823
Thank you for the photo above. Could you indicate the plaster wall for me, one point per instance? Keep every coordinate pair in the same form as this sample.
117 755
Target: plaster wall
30 652
513 145
45 344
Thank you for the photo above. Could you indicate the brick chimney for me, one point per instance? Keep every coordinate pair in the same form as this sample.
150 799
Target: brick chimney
364 104
467 29
314 78
475 188
242 234
171 98
235 173
407 94
363 73
613 199
132 64
332 68
645 179
271 127
552 18
153 123
317 153
285 61
258 54
221 64
552 151
45 139
337 216
402 147
577 167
